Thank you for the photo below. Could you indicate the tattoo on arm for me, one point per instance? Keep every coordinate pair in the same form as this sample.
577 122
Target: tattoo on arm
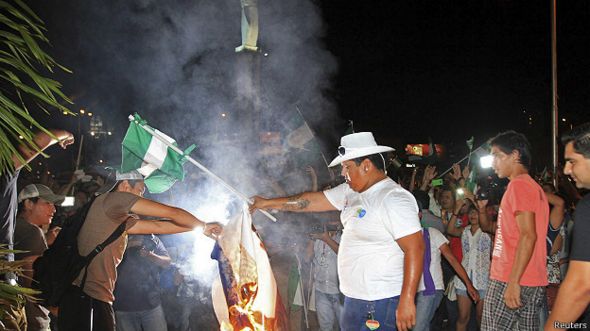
296 203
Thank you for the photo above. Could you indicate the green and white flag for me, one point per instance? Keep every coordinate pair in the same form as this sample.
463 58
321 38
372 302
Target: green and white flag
295 292
160 165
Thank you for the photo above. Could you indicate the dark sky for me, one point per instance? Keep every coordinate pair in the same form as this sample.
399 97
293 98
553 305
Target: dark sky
455 68
406 70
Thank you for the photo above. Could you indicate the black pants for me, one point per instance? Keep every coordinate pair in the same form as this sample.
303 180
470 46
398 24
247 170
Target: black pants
80 312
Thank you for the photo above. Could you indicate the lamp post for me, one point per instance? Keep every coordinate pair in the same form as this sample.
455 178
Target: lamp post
554 109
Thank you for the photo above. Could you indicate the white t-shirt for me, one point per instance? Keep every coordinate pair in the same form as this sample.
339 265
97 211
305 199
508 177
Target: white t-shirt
437 239
370 262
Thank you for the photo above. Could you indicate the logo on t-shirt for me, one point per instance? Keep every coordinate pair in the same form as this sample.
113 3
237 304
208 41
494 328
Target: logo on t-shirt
360 213
498 245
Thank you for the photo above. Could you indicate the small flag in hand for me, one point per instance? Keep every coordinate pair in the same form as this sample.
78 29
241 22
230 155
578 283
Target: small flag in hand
160 165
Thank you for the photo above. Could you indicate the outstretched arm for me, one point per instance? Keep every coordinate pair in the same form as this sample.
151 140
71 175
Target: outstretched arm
42 140
304 202
180 220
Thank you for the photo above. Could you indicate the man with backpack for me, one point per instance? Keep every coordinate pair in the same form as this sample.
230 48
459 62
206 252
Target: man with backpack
87 303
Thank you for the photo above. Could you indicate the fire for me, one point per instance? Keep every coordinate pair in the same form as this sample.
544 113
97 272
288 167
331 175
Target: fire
241 315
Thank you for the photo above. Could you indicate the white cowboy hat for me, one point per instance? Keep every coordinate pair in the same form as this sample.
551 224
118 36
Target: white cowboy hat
356 145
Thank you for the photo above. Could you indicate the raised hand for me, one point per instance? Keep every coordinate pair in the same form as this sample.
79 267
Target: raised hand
456 173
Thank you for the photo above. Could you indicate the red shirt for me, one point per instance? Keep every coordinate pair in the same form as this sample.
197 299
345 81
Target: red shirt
522 194
455 242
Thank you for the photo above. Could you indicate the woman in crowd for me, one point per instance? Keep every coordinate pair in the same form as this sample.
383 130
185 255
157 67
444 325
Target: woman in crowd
477 247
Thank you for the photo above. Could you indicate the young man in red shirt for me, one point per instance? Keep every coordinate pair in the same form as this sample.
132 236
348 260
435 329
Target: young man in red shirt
518 274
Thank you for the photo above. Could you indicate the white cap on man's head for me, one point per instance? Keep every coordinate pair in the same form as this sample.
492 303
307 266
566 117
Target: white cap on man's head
113 177
39 191
356 145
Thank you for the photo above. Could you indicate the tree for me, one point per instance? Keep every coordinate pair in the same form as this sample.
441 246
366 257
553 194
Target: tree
23 81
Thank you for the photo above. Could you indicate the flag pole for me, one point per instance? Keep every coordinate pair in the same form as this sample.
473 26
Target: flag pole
313 133
302 292
200 166
463 159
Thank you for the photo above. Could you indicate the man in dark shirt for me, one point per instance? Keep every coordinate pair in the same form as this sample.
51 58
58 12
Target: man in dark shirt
574 294
137 302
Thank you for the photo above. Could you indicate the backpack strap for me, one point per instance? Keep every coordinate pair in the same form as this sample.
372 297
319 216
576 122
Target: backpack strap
100 247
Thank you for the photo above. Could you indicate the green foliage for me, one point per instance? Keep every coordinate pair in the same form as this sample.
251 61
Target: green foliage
22 82
9 292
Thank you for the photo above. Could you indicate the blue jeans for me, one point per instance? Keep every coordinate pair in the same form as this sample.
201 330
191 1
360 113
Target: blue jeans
425 308
146 320
328 310
356 313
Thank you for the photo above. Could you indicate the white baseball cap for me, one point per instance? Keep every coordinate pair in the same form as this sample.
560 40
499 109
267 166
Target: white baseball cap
39 191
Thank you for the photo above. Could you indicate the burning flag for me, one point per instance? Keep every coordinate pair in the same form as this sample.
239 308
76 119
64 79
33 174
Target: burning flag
245 296
149 155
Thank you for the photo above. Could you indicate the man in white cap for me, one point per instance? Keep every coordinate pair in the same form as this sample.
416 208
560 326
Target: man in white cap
14 314
381 250
36 206
87 304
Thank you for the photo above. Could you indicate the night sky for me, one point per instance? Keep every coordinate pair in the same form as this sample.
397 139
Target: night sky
406 70
452 69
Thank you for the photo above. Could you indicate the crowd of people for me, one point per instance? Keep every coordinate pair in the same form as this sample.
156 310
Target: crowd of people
111 217
506 249
412 253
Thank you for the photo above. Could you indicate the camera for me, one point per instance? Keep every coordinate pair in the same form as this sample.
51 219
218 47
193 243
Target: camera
332 227
324 227
316 228
483 195
459 193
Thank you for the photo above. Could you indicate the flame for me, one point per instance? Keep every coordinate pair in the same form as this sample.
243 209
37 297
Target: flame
241 315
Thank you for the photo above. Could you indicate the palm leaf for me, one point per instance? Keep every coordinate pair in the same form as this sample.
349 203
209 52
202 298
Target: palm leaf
24 69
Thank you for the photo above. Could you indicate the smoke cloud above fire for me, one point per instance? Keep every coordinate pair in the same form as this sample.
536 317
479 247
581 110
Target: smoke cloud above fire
174 63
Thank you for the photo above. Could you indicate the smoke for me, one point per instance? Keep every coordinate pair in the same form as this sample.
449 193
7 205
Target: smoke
174 63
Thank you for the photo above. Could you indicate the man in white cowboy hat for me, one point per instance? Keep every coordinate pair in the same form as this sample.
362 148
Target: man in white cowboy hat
381 250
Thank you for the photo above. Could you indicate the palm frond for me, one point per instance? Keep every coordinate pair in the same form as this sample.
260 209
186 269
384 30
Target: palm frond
24 69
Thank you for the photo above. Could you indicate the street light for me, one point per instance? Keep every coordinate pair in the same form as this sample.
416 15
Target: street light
486 161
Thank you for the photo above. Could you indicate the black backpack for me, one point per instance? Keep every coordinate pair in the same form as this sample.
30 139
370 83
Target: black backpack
58 267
